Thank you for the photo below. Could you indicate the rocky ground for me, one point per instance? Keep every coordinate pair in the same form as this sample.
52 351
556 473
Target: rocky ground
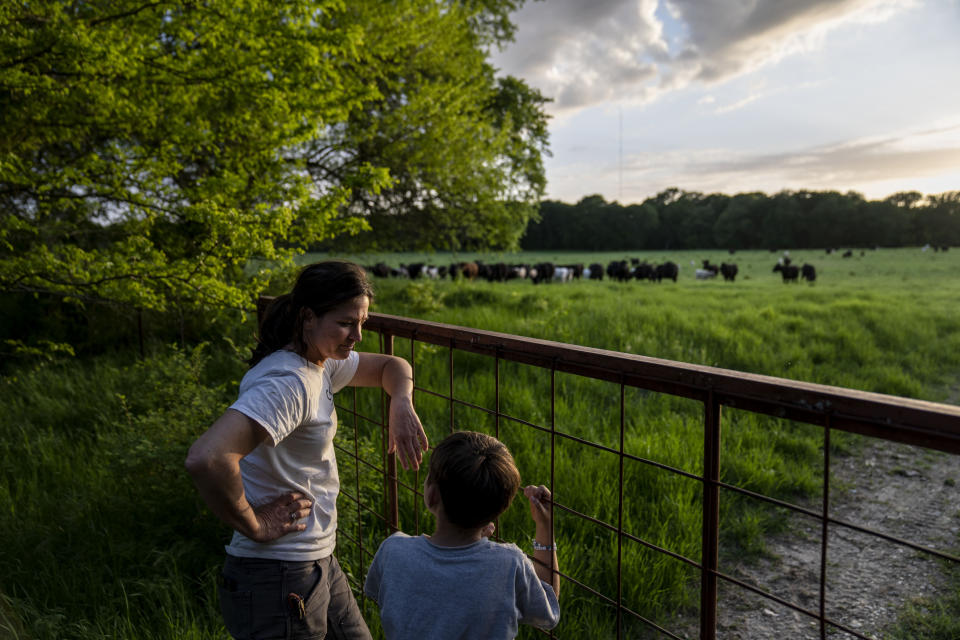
902 491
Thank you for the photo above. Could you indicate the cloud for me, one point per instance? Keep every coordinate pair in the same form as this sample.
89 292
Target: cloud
732 36
583 53
926 160
739 104
918 154
759 93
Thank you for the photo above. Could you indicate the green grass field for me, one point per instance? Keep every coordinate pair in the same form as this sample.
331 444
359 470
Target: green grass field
103 535
885 321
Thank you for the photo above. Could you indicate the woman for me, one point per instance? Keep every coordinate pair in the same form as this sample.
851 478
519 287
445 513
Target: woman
266 467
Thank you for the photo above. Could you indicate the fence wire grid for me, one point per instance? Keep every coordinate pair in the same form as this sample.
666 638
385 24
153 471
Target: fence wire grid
376 500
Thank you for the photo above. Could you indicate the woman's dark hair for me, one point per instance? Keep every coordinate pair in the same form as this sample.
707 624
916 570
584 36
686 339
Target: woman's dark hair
476 476
320 287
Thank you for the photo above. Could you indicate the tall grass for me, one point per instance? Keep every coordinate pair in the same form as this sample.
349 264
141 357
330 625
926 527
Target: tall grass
865 325
104 536
102 533
885 322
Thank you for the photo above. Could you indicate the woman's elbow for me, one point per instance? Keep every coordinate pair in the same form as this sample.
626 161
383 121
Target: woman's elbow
199 462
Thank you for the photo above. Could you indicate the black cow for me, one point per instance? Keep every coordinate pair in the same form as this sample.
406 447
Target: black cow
708 266
496 272
788 271
644 271
544 272
667 270
729 271
596 271
515 271
619 270
414 270
380 270
808 272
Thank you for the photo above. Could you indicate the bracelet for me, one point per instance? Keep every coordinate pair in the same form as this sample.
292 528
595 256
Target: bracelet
544 547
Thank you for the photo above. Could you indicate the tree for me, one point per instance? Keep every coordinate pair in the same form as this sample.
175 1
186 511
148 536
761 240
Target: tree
159 155
942 219
910 205
143 144
832 219
594 224
640 227
782 219
739 224
686 219
905 199
886 224
462 147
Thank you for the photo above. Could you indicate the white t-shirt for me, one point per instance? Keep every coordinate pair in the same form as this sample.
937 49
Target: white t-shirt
292 398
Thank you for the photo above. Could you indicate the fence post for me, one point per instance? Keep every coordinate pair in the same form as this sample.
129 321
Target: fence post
711 518
392 506
824 527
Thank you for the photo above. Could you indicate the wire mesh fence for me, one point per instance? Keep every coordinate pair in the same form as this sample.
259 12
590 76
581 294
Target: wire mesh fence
648 513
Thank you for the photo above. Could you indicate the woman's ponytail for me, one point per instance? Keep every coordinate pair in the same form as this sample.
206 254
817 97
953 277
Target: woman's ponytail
276 328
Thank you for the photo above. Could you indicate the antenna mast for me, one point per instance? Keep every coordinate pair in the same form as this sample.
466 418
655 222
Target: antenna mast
620 158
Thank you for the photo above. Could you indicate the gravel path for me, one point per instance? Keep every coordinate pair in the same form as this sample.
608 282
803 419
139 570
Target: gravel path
901 491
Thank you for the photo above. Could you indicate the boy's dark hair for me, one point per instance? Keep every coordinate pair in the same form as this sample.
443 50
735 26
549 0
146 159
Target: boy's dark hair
476 476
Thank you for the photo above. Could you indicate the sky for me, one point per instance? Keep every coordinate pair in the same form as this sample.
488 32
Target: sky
731 96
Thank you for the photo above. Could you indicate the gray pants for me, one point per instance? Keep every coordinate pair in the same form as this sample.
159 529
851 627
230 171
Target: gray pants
266 599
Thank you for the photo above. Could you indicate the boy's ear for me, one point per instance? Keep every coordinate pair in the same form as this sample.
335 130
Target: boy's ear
431 495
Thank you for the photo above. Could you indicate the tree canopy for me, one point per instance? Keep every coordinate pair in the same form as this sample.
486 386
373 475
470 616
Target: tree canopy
462 147
158 154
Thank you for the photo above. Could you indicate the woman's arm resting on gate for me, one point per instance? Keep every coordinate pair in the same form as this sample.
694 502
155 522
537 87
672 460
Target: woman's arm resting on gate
395 376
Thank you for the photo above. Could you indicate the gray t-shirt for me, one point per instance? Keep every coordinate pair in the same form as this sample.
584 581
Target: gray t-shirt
481 591
292 398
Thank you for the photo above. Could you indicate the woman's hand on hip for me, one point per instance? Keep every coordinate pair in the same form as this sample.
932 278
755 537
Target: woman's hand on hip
407 437
281 516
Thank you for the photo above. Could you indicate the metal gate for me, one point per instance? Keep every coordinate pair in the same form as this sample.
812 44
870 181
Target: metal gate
833 409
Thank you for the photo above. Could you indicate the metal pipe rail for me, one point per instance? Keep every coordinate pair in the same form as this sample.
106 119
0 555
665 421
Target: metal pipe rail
914 422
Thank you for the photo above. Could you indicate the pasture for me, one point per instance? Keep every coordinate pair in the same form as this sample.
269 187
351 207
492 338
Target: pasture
104 535
885 321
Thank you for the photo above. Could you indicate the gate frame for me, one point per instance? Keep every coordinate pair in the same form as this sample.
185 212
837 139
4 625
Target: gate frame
914 422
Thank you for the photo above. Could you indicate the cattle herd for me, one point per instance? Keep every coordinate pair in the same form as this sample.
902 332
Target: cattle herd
790 272
542 272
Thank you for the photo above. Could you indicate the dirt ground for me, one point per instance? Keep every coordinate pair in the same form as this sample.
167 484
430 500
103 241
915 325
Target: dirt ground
901 491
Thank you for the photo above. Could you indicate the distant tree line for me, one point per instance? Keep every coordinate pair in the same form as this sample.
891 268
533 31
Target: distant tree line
677 219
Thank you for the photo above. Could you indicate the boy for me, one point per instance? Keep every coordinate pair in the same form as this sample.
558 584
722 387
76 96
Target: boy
457 583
